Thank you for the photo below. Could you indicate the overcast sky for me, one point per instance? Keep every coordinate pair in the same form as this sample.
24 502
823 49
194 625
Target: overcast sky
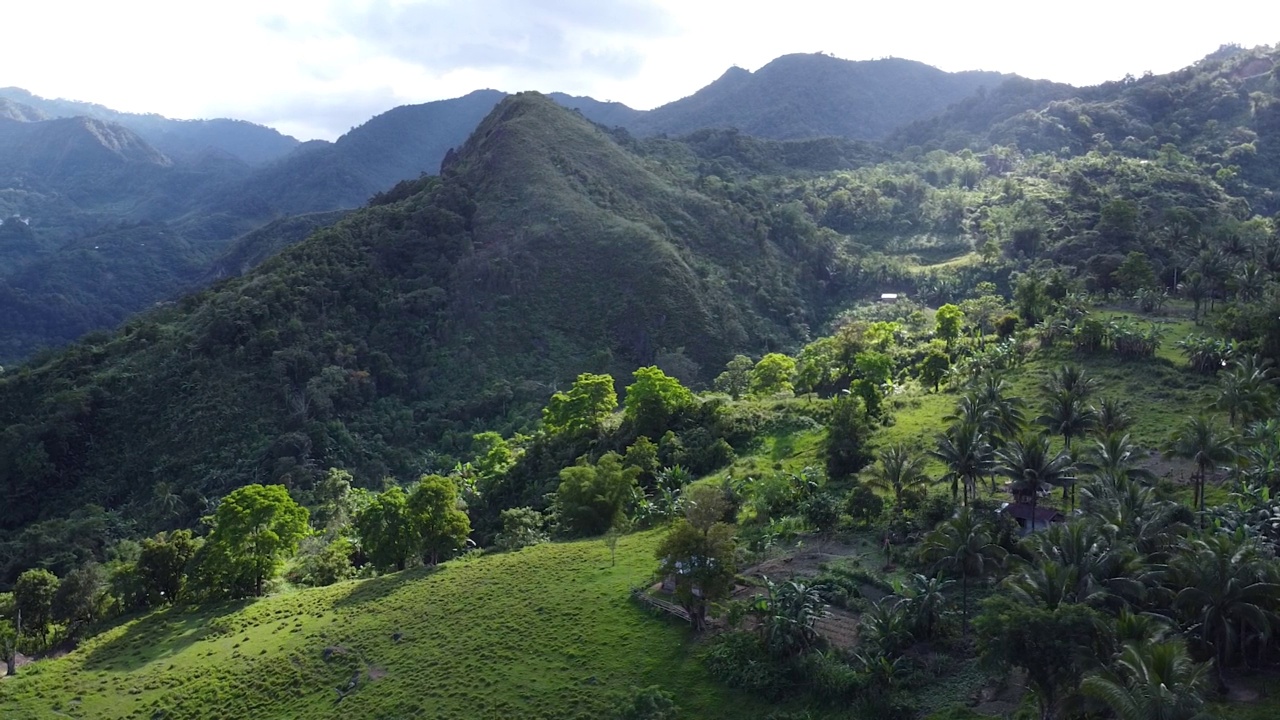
316 68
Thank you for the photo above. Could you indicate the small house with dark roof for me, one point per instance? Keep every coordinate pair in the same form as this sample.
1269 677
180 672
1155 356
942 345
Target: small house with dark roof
1024 512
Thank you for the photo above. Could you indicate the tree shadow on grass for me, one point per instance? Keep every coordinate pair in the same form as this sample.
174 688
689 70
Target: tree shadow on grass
157 636
375 589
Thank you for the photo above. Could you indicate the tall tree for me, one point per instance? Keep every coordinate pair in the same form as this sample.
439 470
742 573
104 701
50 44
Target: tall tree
385 529
583 407
963 546
964 449
1151 681
255 528
899 471
1200 441
698 554
591 498
33 596
440 528
1032 468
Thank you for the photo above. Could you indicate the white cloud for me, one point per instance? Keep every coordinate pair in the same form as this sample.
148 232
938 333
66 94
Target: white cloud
318 67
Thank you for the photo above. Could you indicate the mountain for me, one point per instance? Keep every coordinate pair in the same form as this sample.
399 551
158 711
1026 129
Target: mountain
181 139
804 96
450 304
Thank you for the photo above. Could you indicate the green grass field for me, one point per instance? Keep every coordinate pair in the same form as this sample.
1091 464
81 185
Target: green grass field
547 632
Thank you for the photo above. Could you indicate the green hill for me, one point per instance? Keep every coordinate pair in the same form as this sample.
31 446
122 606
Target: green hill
547 632
449 306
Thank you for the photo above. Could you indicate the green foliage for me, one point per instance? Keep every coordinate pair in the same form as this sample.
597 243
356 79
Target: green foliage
254 529
772 375
591 498
1047 644
653 399
33 597
162 567
590 400
701 561
863 504
321 563
439 528
651 703
80 599
822 512
949 318
736 378
386 531
643 454
848 438
521 527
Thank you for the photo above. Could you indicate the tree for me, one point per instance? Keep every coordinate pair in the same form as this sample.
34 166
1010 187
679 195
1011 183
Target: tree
653 399
949 318
933 367
1245 391
701 561
1151 681
1047 644
591 498
772 375
1113 418
1031 467
736 378
1224 592
964 449
80 597
848 438
1135 273
255 528
1200 441
963 546
33 596
162 566
386 530
863 504
898 471
439 527
586 404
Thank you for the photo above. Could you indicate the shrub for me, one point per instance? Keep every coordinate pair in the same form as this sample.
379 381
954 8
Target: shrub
740 660
863 504
822 511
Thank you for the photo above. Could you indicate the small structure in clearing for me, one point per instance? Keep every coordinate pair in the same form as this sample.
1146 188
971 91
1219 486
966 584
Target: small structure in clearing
1023 513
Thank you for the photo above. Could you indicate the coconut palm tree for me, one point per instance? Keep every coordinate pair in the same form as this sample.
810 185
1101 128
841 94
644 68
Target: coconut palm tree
1032 468
963 546
1200 441
1245 390
1223 593
1005 409
898 471
1070 380
1151 681
1114 456
1113 417
964 449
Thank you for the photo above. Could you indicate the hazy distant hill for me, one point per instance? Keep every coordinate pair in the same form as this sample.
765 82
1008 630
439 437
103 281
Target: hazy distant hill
180 139
802 96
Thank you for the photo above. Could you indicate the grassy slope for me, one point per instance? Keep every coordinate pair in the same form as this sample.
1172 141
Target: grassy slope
546 632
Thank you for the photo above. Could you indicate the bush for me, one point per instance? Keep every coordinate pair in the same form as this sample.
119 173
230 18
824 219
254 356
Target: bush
822 511
740 660
934 510
830 681
651 703
521 527
863 504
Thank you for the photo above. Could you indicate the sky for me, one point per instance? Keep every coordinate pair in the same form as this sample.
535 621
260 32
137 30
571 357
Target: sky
317 68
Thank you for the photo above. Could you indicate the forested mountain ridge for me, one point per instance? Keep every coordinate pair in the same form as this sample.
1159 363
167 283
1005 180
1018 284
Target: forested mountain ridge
804 96
449 304
183 139
209 182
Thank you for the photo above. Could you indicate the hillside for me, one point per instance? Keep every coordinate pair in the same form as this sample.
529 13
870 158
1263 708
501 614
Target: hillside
181 139
451 304
548 632
804 96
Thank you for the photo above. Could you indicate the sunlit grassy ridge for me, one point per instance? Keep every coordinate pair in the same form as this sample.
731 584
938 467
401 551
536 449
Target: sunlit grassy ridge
548 632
